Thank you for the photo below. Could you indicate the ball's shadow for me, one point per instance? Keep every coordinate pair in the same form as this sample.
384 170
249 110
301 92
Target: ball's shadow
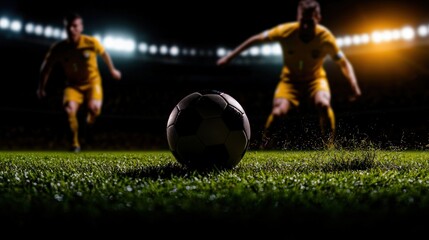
171 170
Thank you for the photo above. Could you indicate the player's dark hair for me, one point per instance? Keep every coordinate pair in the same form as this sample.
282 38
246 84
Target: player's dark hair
71 16
308 7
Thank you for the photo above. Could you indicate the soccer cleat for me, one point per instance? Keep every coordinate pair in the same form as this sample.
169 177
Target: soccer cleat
266 143
75 149
329 144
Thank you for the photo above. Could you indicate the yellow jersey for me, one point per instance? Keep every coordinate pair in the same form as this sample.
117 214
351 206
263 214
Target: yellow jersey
304 60
79 62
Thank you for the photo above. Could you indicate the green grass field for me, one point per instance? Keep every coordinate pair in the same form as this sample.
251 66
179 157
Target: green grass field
334 190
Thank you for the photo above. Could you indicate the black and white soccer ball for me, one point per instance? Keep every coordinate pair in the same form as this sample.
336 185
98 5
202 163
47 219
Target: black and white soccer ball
208 129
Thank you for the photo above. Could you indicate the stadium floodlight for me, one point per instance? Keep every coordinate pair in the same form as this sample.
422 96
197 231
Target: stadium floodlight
174 51
244 53
356 40
29 28
163 50
422 30
340 41
56 33
143 48
98 37
387 36
276 49
347 41
119 44
221 52
254 51
48 31
38 30
407 33
365 38
376 37
185 51
193 52
153 49
63 34
4 23
396 34
16 26
266 50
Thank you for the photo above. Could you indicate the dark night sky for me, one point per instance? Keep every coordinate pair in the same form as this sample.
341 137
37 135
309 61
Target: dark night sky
216 22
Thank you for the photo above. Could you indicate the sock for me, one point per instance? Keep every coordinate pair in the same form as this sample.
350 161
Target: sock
327 123
74 128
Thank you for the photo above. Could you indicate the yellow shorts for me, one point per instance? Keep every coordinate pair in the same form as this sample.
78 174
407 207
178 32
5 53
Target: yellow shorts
81 93
296 91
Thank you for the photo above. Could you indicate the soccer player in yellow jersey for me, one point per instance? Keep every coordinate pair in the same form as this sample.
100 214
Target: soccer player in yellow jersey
77 55
305 44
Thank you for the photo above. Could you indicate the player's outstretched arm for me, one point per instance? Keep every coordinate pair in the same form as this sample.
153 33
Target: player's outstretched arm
348 71
116 74
243 46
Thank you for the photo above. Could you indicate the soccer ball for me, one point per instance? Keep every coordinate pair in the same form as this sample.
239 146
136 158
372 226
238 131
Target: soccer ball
208 129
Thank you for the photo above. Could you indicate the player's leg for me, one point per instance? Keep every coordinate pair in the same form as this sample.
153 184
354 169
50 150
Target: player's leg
94 110
94 105
281 107
284 97
322 101
95 101
72 100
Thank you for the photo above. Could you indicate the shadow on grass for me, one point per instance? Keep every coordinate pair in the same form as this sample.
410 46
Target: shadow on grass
331 161
171 170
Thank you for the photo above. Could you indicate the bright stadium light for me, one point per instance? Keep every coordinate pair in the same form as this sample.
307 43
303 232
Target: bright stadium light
38 30
376 37
56 33
356 40
245 53
63 34
143 48
221 52
387 36
276 49
4 23
365 38
396 34
422 30
29 28
48 31
153 49
163 50
340 41
347 41
98 37
266 50
407 33
174 51
254 51
16 26
119 44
